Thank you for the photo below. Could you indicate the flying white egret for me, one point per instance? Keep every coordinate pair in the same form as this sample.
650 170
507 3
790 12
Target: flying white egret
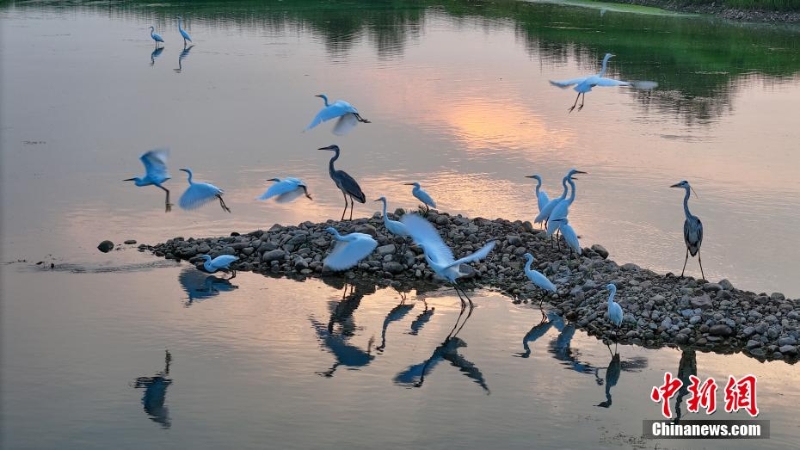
348 116
438 255
221 262
560 211
544 214
614 310
350 249
537 277
184 34
422 196
198 194
156 37
692 229
285 190
585 84
570 237
344 182
155 167
541 196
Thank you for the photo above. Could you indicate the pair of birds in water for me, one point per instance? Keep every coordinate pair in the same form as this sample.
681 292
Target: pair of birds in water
159 40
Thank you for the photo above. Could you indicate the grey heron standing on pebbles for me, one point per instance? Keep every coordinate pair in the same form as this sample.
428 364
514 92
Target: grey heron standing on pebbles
692 229
344 182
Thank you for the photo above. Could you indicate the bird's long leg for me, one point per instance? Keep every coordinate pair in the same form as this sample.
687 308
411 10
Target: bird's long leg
684 261
222 203
701 264
345 204
583 99
576 102
233 274
169 205
361 119
351 207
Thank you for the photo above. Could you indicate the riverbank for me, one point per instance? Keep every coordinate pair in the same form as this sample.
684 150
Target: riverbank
659 309
742 15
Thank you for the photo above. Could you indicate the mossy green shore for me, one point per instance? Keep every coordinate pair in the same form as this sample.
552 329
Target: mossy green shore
659 309
775 11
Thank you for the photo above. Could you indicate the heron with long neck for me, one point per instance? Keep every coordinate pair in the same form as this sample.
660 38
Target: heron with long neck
344 182
692 229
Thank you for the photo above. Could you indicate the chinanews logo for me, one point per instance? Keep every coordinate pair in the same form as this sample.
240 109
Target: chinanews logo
739 394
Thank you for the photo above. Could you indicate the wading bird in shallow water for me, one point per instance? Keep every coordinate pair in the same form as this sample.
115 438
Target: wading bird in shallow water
221 262
350 249
184 34
344 182
156 37
348 116
285 190
438 255
198 194
692 229
155 167
614 310
541 196
537 277
422 196
585 84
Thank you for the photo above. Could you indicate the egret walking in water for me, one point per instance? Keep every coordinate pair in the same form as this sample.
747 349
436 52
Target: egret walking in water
692 229
198 194
538 278
156 37
422 196
561 209
155 167
350 249
285 190
541 196
221 262
438 255
184 34
585 84
344 182
614 310
348 116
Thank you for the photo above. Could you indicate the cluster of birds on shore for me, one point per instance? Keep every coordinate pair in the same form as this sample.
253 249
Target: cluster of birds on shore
354 247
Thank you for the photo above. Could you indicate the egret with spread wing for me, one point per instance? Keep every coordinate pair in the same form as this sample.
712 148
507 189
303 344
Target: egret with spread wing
344 182
438 255
155 166
285 190
692 229
537 277
221 262
348 116
422 196
156 37
198 194
350 249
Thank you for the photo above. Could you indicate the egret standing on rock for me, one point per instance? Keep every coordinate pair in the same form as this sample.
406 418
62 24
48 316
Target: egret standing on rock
692 229
348 116
561 209
285 190
155 166
544 214
614 310
344 182
394 227
537 277
350 249
585 84
570 237
422 196
198 194
156 37
221 262
184 34
438 255
541 196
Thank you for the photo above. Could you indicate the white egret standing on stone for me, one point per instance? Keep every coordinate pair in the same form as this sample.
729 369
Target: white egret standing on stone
545 213
348 116
285 190
541 196
571 237
350 249
692 229
560 211
221 262
422 196
614 310
538 278
155 167
395 227
198 194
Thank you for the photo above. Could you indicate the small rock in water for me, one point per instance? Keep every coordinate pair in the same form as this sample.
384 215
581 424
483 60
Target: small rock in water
106 246
130 242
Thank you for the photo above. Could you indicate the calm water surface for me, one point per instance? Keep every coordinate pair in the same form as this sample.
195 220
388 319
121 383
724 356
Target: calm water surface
459 99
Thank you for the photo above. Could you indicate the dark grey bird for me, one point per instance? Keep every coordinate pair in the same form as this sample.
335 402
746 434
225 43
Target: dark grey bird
344 182
692 229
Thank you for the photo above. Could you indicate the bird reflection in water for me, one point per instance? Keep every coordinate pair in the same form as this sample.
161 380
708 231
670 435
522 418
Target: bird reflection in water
200 286
396 313
560 346
613 371
538 330
155 393
414 376
686 368
423 317
183 54
336 342
156 53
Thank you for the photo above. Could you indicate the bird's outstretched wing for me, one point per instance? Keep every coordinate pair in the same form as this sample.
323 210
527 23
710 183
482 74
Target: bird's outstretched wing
197 195
609 82
284 186
425 235
347 254
643 84
483 252
567 83
571 237
155 164
345 124
330 112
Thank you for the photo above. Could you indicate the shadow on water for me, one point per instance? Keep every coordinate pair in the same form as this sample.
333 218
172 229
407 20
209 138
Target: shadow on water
199 285
155 394
615 367
395 314
686 368
183 55
156 53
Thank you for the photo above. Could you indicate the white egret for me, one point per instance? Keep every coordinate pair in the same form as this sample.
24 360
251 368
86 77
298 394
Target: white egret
571 237
184 34
560 211
614 310
422 196
285 190
585 84
221 262
344 182
395 227
198 194
692 229
155 167
350 249
537 277
544 214
156 37
541 196
438 255
348 116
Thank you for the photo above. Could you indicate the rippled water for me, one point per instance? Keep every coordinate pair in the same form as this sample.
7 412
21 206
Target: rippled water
459 100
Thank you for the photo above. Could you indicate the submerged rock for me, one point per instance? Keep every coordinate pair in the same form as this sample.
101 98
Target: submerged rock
106 246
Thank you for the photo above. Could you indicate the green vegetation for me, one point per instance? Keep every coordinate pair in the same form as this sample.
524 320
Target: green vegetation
761 5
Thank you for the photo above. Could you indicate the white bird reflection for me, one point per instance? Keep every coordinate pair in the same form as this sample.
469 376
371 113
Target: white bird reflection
615 367
200 286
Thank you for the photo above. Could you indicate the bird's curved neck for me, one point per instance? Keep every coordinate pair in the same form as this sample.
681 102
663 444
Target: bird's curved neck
335 156
686 203
189 172
538 186
179 22
572 193
385 219
566 189
603 69
528 265
611 296
325 99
